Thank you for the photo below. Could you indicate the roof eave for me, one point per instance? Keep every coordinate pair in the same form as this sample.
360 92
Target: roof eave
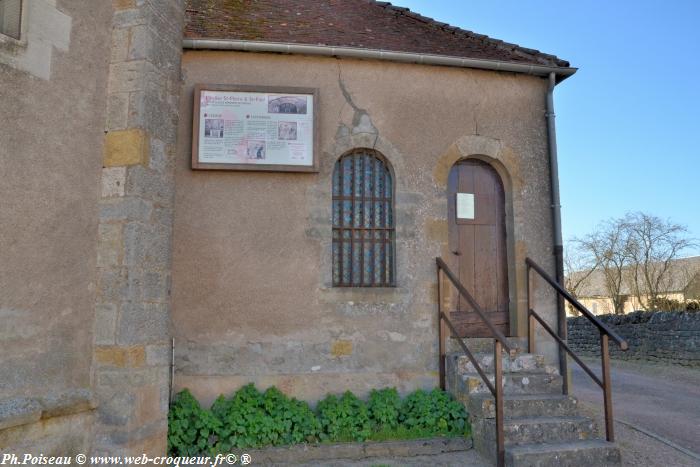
377 54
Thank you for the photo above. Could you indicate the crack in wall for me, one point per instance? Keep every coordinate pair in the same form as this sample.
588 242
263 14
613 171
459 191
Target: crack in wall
347 95
361 121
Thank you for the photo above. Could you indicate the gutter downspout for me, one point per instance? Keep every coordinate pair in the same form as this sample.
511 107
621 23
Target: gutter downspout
374 54
556 223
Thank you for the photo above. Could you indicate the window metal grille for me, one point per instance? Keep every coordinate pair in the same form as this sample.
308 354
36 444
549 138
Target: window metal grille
11 18
363 221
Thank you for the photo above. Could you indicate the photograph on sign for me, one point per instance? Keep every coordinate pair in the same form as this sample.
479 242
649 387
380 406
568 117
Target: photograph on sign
465 206
258 129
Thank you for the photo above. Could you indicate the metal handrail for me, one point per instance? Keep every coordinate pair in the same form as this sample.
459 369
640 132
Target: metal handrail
464 347
576 304
605 334
566 347
499 344
498 335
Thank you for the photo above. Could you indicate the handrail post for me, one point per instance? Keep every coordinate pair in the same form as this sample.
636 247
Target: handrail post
531 347
441 334
607 387
606 333
563 362
498 385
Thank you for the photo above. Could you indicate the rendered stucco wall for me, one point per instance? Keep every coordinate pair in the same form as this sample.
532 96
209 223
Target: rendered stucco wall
88 136
52 89
252 294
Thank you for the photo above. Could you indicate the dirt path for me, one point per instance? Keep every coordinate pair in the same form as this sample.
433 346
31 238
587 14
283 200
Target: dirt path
661 399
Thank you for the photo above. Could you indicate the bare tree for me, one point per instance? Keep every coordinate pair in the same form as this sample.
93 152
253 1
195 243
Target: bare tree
578 267
654 245
608 247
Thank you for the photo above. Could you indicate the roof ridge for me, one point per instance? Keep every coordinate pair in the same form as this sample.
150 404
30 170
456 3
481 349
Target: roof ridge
500 44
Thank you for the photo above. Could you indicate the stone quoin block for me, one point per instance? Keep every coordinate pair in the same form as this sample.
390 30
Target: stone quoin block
105 323
126 208
113 181
122 357
110 251
341 348
126 147
117 111
123 4
120 45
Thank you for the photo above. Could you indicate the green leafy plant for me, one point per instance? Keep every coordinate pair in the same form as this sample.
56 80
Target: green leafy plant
343 419
189 426
253 419
434 411
384 406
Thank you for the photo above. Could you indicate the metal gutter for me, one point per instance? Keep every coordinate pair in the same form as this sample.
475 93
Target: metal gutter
556 222
376 54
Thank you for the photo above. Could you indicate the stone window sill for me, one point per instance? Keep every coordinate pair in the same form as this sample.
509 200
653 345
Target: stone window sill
17 411
11 45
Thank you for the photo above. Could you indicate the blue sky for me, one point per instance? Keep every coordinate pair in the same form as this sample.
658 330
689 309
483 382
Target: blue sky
628 122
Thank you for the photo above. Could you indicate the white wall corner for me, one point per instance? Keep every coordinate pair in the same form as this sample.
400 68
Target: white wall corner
43 28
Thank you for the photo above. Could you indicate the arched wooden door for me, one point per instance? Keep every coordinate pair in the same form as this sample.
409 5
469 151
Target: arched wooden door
477 236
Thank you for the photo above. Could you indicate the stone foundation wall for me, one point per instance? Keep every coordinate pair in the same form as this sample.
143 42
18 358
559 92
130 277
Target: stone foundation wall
672 337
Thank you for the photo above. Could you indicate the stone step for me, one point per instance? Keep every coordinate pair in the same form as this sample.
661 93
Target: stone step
513 383
522 362
596 452
527 430
537 430
524 405
485 344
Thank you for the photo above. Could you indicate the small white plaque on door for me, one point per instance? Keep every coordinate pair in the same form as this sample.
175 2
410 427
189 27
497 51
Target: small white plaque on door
465 205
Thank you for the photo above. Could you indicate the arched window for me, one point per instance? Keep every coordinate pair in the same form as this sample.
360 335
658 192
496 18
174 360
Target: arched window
363 221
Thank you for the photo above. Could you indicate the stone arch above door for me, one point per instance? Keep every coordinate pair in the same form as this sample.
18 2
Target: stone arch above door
491 150
505 162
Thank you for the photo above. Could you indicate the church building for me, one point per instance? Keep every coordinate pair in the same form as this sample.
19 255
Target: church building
202 194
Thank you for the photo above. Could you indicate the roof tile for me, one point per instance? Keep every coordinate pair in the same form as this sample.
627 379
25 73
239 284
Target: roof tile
348 23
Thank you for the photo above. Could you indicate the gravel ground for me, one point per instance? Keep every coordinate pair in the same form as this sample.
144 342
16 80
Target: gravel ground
663 399
660 398
638 449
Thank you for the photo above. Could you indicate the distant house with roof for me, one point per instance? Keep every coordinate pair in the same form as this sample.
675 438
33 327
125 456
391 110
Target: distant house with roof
681 284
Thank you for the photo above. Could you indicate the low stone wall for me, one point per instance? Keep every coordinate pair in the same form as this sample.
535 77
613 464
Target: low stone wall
672 337
56 426
357 451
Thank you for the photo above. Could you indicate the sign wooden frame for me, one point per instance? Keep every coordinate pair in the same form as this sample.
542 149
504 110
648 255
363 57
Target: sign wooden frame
196 116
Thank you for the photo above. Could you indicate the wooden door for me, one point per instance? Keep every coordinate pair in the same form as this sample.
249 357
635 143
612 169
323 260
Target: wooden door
477 235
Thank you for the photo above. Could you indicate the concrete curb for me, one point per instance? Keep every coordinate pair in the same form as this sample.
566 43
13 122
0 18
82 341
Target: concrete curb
357 451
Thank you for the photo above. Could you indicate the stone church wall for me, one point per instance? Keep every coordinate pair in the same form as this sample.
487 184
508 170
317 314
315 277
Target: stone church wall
253 299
